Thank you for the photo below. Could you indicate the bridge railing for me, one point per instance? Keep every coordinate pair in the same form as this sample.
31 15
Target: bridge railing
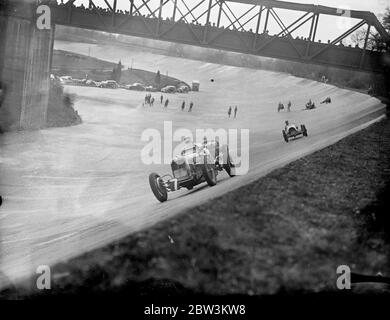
254 17
213 23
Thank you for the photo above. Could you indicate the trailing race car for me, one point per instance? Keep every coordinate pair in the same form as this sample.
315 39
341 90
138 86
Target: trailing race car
292 131
196 164
327 101
310 105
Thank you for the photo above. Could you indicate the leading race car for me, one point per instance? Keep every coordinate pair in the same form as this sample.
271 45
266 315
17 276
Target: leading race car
292 131
196 164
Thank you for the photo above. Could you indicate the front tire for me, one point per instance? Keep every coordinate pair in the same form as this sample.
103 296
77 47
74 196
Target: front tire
227 163
304 130
209 174
285 136
229 167
159 191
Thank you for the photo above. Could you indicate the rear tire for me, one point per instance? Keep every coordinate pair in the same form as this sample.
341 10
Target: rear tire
159 191
285 136
304 130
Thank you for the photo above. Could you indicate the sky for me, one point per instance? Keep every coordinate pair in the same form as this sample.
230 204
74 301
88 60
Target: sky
329 28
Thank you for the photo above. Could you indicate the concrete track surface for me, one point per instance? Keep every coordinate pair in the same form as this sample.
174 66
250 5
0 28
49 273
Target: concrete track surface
69 190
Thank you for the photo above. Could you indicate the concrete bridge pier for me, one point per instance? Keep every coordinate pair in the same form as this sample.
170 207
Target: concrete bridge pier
25 63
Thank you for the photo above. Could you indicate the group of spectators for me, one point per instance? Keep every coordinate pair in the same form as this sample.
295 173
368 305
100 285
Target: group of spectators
183 106
231 110
135 12
149 100
281 106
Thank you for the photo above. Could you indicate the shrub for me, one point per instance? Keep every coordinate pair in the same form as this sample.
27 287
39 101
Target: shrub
60 111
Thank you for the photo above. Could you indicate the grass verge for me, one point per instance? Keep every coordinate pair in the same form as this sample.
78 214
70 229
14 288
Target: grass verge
285 233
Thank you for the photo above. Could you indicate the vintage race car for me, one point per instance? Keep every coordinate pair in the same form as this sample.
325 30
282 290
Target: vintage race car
310 106
292 131
196 164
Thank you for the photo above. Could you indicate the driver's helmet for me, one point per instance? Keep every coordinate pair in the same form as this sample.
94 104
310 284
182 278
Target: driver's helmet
204 140
286 122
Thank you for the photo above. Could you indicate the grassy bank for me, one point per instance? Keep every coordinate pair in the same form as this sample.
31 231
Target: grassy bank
286 232
60 111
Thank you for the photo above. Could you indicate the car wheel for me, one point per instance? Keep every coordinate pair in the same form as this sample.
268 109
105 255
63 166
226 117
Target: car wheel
285 136
209 174
159 191
304 130
229 166
227 163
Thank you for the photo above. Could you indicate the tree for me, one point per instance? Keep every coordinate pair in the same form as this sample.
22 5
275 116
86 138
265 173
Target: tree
386 19
117 72
157 80
359 37
374 41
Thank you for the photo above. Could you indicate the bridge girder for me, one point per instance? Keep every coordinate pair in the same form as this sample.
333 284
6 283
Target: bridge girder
148 16
369 17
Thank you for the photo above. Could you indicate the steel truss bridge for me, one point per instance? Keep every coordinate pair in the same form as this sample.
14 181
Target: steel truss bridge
181 21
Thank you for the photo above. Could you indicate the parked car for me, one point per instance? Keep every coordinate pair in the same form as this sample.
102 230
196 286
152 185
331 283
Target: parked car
183 89
169 89
77 81
136 86
150 89
66 79
111 84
